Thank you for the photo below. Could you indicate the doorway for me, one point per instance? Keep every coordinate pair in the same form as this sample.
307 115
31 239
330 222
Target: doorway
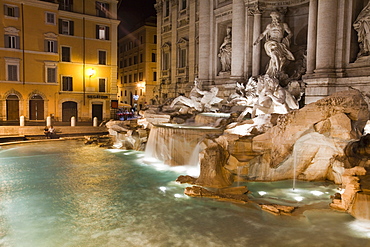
36 108
69 109
97 111
12 108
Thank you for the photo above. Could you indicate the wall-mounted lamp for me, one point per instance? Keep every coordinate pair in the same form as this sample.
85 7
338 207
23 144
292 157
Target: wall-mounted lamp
141 84
91 72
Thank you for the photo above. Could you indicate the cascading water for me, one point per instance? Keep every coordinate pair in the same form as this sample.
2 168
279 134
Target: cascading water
294 167
176 145
361 208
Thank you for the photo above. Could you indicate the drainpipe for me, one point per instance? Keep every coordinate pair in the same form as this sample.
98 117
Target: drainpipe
83 54
23 51
84 60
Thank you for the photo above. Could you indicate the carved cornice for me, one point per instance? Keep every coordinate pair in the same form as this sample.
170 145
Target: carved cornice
13 92
255 9
182 41
166 45
275 3
158 7
37 92
50 35
11 30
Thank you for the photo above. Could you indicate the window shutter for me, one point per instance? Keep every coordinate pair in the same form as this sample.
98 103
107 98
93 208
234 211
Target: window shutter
55 44
46 48
71 28
16 12
107 33
97 31
6 41
60 25
107 10
17 42
5 9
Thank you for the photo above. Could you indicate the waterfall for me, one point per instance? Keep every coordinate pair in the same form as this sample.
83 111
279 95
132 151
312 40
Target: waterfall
294 166
361 206
239 172
194 158
176 145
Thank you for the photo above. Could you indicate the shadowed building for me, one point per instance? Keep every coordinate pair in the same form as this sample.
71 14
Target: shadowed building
137 76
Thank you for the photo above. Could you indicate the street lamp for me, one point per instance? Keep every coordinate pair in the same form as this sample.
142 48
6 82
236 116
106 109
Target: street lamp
91 72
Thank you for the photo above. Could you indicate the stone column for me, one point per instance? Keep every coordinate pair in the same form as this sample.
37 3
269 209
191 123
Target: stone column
248 44
204 39
174 49
159 8
256 57
238 36
192 41
326 36
311 39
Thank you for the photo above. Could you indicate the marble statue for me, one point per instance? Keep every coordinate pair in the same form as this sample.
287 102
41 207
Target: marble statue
225 52
263 95
362 26
276 45
199 100
273 98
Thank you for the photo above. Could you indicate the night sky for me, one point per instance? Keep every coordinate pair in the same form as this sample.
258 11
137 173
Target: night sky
132 12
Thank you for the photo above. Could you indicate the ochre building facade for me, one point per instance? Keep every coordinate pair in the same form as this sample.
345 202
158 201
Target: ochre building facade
58 59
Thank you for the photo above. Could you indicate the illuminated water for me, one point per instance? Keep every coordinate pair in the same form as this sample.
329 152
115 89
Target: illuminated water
67 194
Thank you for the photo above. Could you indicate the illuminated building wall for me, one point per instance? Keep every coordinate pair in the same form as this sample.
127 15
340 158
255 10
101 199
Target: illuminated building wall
48 53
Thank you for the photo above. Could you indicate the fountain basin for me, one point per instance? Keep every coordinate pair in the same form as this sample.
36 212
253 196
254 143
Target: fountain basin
67 194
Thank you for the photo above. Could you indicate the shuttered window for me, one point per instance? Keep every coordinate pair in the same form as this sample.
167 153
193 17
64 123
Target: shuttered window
11 41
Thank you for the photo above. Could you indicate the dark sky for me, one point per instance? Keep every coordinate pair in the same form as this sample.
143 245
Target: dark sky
132 12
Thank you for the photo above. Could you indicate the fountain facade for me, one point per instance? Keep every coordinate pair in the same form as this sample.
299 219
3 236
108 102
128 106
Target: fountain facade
269 135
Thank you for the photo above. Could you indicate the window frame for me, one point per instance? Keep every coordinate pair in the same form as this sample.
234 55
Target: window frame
102 9
102 32
69 30
54 67
64 55
9 74
183 4
15 12
102 88
67 83
102 60
51 46
11 41
166 9
47 14
182 57
66 5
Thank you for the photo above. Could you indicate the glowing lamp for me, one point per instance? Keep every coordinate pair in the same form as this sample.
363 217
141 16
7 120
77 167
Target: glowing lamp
91 72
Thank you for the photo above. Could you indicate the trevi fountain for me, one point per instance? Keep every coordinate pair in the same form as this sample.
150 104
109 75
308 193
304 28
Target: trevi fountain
258 165
261 133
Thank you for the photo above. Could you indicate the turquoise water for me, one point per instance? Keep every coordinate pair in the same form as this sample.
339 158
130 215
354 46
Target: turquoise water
63 193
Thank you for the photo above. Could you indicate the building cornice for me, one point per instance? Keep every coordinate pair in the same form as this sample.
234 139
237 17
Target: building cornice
276 3
36 3
80 16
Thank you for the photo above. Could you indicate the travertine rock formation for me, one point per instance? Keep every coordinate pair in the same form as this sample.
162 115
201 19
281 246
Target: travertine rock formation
334 120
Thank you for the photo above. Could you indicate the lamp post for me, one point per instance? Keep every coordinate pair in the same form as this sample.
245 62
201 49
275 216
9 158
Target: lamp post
91 72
